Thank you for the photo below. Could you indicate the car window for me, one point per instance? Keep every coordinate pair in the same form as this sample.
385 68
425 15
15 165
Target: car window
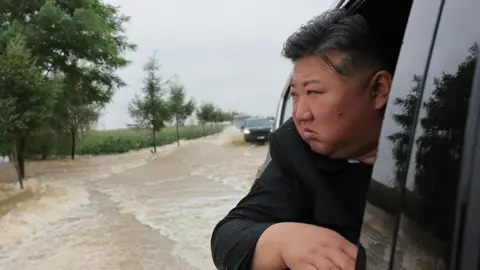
257 123
428 218
388 177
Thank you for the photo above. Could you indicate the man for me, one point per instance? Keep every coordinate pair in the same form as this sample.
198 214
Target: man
305 210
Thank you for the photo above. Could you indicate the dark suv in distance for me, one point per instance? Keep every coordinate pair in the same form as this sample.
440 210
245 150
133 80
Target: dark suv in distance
423 203
257 130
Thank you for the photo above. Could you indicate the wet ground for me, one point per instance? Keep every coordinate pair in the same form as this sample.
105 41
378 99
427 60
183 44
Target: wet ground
144 211
130 211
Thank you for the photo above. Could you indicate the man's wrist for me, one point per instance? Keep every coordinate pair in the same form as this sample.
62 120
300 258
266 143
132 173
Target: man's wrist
267 254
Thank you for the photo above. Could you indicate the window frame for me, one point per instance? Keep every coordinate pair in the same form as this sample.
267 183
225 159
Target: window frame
467 234
280 115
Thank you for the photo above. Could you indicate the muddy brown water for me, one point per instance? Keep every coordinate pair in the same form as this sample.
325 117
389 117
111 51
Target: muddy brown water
129 211
143 211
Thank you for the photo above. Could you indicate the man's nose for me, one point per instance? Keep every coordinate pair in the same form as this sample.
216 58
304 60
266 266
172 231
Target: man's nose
302 110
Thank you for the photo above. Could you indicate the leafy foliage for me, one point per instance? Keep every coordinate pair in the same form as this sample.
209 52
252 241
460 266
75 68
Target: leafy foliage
26 97
151 110
58 67
58 63
120 141
178 106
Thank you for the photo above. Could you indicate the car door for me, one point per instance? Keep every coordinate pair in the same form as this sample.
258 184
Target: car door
388 178
439 173
417 215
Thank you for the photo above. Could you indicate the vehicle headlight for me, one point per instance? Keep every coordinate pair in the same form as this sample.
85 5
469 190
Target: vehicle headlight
246 131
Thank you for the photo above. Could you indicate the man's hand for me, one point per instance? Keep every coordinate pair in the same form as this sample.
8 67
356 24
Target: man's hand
309 247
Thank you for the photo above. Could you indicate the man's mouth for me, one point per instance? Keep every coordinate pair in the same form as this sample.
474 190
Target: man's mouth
308 134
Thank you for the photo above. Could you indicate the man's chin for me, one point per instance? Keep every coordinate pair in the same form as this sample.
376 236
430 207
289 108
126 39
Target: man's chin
319 148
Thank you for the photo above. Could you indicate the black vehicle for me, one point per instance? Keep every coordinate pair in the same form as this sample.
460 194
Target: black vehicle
257 130
423 208
239 120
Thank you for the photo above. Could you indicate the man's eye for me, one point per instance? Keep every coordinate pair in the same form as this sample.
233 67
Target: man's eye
313 92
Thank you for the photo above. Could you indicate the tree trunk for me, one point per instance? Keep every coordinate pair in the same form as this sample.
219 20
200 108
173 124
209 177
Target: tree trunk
44 152
21 150
16 163
154 141
178 133
73 140
203 127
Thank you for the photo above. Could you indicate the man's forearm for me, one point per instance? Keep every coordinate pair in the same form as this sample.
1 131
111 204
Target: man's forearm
267 251
234 243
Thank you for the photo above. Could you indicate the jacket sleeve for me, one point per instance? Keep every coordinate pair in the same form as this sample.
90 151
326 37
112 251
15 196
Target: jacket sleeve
273 198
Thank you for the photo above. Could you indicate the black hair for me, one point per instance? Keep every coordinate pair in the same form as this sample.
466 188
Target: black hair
337 31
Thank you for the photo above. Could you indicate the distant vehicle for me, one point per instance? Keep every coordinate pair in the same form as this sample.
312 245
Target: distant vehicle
239 120
257 129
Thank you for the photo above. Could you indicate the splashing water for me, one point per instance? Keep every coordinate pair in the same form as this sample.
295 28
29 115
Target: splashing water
25 212
231 136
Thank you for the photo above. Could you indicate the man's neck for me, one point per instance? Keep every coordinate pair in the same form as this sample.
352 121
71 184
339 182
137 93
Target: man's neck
369 157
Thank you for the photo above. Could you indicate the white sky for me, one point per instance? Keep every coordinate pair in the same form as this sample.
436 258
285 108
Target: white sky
226 52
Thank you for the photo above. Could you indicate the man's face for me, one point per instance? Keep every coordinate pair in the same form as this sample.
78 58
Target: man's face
338 116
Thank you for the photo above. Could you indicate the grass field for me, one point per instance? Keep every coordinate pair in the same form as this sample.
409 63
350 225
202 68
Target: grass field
124 140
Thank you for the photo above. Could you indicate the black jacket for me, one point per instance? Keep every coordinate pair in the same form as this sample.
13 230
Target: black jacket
297 185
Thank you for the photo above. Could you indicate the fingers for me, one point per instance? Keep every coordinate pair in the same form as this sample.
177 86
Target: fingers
320 264
323 263
337 241
326 258
306 267
340 259
350 249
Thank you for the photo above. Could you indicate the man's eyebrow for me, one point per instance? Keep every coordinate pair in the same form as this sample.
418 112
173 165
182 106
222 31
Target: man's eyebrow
307 82
311 82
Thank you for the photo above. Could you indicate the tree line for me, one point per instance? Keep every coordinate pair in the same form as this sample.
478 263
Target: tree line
162 101
58 63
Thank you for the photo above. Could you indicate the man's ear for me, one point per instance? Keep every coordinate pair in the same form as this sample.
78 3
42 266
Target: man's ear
380 88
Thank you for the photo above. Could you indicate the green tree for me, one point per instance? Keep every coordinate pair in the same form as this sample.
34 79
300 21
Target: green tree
178 106
82 41
218 115
226 116
205 113
26 99
151 110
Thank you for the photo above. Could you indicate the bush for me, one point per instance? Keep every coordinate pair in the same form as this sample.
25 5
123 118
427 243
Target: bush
124 140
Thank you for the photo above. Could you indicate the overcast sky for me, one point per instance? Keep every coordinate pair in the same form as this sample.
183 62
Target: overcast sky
226 52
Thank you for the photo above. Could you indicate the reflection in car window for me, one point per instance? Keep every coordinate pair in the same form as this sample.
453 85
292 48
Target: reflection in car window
383 206
428 217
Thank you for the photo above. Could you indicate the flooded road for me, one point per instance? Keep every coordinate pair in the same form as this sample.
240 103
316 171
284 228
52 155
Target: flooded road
131 211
